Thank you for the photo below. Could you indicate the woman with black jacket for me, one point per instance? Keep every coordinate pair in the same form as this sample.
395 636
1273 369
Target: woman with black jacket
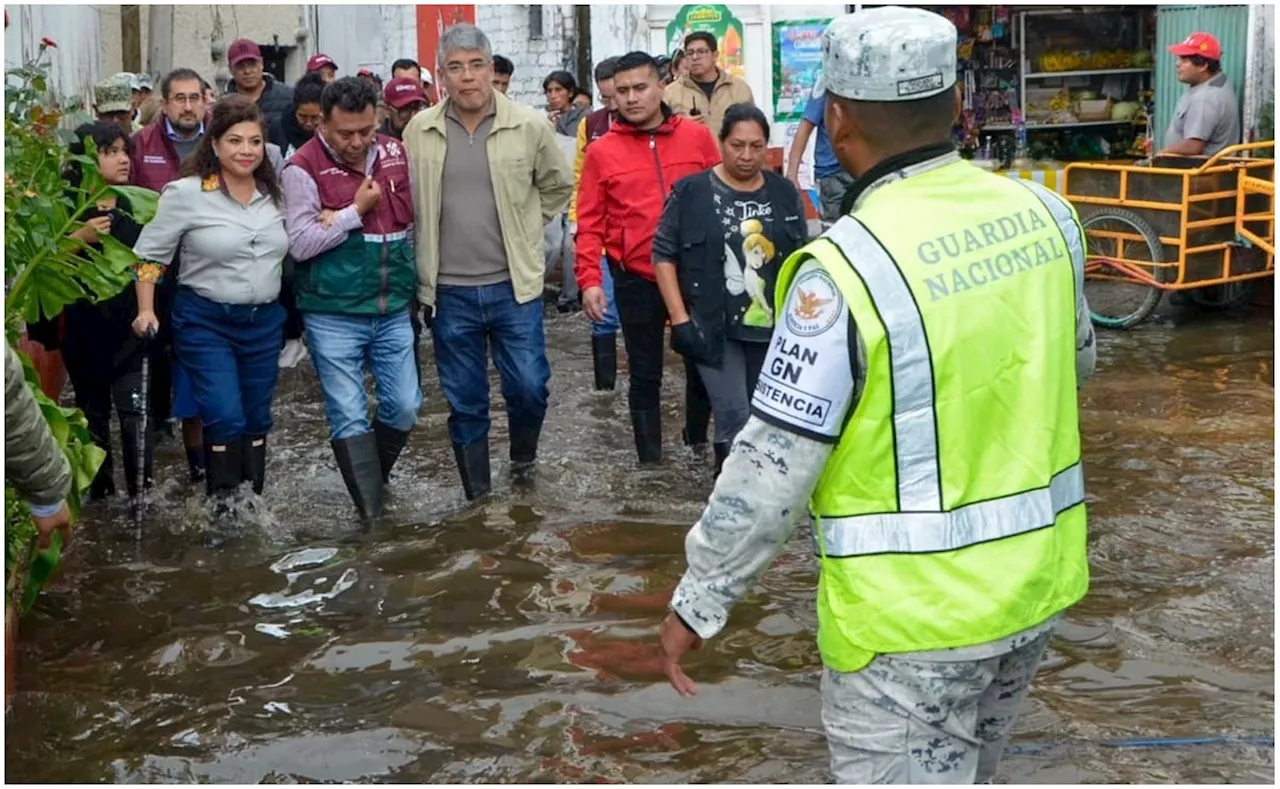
722 238
103 356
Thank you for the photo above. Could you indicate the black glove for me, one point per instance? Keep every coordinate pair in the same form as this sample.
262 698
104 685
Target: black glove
690 341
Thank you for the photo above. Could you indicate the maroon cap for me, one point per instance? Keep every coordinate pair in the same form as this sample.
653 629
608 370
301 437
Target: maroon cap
319 61
403 91
242 49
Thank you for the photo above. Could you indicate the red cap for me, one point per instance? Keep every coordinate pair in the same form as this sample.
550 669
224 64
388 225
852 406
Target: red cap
403 91
319 61
242 49
1202 44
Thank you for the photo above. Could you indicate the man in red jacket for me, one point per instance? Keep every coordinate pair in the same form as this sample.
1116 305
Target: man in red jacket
626 177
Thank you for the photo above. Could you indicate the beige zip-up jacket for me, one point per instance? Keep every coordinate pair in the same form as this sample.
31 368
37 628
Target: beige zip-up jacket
532 183
684 96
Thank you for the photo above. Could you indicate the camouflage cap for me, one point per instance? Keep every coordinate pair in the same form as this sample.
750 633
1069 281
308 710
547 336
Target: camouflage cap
889 54
113 95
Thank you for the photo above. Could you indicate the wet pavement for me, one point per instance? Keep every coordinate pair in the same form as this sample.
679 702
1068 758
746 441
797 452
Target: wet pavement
514 640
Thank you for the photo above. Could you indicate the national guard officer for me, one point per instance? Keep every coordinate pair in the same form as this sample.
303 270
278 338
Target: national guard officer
920 397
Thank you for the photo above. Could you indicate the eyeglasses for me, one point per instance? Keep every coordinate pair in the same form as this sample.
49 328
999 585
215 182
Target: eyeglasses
696 53
457 69
186 98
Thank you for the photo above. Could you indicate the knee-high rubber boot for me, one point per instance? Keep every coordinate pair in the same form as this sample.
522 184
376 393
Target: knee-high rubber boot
604 359
254 462
524 453
697 407
647 425
223 473
390 444
721 449
473 467
130 427
362 472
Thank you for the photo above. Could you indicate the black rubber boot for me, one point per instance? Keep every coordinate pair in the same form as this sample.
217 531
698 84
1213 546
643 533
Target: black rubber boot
524 453
390 444
129 439
697 407
473 467
222 476
254 462
721 449
195 463
648 429
604 358
362 472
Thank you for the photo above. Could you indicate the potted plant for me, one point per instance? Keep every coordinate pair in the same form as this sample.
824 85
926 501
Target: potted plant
45 271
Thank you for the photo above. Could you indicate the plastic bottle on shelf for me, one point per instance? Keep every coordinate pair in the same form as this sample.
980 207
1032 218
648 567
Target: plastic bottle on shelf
1021 161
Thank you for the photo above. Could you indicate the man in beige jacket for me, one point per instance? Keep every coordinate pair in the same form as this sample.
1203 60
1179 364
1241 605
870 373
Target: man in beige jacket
487 175
708 91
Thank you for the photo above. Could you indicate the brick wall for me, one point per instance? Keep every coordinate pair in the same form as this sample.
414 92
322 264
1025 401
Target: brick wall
508 29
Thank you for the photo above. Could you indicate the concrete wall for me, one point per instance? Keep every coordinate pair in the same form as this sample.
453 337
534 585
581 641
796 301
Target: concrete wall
358 36
196 30
508 29
74 65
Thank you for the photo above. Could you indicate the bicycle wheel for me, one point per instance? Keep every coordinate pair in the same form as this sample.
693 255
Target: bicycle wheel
1121 303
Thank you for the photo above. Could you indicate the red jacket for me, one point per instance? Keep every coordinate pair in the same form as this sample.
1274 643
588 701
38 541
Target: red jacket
626 177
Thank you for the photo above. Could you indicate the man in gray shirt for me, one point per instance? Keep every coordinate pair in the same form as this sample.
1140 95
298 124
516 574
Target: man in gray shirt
1207 117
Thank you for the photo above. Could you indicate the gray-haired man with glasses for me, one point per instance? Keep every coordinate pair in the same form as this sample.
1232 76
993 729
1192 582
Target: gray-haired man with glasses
480 250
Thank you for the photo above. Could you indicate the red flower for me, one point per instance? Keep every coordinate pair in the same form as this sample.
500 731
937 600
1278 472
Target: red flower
48 43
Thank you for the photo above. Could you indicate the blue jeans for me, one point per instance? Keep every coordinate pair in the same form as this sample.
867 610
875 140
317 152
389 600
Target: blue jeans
231 354
610 323
465 319
341 347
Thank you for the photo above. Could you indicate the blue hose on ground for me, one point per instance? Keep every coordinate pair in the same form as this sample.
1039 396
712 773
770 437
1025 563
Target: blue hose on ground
1150 742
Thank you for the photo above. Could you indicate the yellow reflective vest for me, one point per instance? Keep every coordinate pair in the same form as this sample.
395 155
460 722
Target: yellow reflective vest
951 512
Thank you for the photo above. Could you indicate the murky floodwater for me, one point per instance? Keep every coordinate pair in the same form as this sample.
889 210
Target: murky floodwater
513 641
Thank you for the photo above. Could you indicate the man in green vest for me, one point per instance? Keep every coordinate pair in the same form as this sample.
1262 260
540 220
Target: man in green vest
920 398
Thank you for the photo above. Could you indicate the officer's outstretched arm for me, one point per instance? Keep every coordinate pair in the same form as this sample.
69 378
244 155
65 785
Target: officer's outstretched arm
806 388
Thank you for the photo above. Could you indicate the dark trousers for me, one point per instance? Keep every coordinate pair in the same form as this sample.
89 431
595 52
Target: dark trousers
293 318
98 386
643 316
232 354
468 322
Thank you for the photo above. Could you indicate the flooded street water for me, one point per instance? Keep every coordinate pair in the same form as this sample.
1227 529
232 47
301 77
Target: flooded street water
514 640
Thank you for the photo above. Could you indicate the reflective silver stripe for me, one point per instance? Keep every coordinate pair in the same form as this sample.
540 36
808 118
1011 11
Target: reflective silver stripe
931 532
915 430
375 238
1060 209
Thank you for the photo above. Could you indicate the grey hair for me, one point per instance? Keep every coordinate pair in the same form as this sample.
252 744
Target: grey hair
465 37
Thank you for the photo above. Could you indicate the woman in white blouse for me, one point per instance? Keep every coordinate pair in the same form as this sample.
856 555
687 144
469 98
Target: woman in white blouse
225 215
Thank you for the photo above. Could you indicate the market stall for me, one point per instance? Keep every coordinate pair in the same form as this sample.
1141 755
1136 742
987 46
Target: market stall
1046 87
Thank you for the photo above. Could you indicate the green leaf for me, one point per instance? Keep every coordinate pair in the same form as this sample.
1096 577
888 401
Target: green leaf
143 201
43 564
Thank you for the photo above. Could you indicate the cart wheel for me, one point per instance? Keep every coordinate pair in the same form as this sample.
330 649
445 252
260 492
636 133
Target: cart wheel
1224 297
1115 303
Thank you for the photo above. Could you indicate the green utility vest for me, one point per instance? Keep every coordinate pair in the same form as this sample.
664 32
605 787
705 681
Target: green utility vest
951 512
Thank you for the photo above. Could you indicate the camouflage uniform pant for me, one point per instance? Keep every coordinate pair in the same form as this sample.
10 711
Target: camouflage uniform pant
925 722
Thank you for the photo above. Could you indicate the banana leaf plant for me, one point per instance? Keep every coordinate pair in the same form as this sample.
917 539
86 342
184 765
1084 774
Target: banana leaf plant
46 270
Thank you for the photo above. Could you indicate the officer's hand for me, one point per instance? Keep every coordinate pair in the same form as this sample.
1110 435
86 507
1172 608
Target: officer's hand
367 196
594 303
674 640
59 522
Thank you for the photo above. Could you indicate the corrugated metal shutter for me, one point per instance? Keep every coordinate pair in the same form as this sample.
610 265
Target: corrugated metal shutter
1230 23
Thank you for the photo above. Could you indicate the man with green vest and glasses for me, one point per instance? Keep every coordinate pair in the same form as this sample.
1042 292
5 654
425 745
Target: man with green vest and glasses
920 397
349 213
